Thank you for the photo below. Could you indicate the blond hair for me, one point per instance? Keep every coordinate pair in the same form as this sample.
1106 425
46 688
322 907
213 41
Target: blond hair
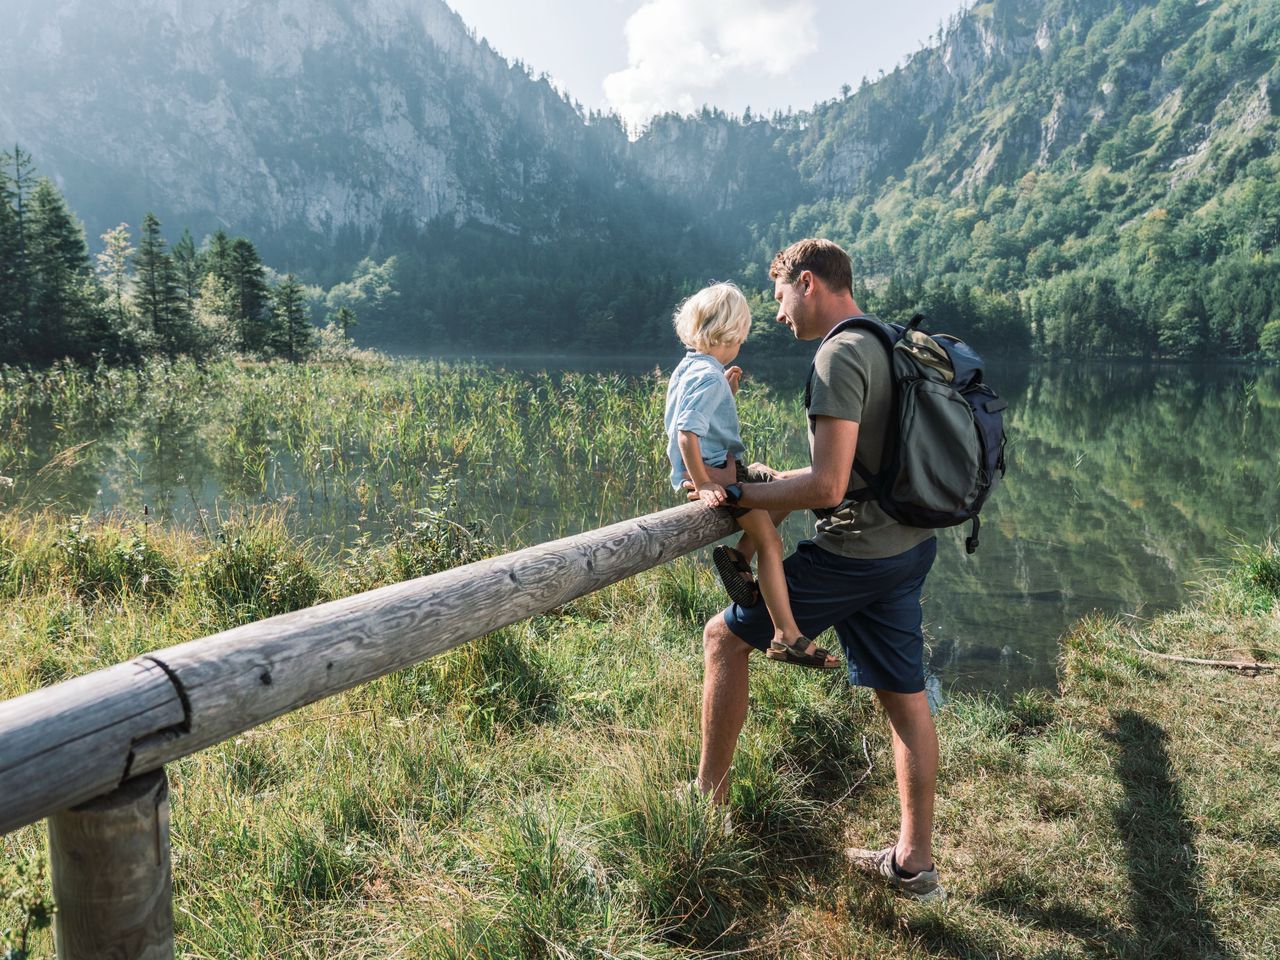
714 316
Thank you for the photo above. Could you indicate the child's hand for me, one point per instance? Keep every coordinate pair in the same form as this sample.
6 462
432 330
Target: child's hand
734 376
712 494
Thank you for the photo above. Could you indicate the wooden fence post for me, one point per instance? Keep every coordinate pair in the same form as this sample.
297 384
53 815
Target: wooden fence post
112 880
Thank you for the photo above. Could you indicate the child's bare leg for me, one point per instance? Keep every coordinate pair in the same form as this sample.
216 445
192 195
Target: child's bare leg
758 524
746 546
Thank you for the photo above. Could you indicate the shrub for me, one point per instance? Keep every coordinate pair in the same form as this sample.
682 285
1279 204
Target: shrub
106 562
257 571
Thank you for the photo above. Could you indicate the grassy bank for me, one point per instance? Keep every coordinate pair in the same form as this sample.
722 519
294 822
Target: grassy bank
512 799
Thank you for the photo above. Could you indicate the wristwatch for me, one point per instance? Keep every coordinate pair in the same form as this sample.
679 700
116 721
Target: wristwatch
733 492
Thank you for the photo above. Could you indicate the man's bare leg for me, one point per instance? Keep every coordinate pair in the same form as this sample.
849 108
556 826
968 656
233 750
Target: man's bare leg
915 762
724 704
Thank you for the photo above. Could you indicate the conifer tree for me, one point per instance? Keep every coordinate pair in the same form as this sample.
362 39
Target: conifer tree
216 256
190 266
159 296
295 334
17 179
65 320
12 280
253 296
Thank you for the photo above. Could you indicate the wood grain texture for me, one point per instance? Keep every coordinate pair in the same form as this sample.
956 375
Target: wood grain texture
74 741
243 677
111 873
136 717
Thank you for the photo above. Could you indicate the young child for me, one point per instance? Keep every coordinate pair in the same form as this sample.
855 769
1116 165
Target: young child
702 430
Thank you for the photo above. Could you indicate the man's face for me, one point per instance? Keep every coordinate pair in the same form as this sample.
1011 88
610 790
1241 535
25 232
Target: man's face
793 308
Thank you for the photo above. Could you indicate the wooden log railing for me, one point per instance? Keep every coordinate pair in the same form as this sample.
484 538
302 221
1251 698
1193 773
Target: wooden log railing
89 753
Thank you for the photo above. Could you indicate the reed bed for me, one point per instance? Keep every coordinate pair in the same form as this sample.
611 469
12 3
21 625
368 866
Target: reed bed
366 443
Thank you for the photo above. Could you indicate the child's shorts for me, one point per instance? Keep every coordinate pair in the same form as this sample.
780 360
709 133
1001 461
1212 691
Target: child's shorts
747 475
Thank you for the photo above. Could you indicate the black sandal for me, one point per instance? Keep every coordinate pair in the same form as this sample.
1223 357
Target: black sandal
797 655
735 574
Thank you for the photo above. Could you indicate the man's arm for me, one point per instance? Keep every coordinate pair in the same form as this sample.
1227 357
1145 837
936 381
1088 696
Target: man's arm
822 485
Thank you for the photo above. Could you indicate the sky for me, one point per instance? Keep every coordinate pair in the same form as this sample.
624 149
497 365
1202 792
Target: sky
642 57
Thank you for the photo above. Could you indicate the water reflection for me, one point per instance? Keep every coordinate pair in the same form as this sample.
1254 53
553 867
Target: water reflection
1123 479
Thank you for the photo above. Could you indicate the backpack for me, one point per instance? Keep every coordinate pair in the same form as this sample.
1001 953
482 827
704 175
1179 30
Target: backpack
946 455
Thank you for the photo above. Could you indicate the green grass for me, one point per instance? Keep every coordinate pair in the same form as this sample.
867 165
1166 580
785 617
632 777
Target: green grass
514 798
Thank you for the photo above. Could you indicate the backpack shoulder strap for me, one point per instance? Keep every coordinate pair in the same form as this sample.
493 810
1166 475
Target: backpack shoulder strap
888 334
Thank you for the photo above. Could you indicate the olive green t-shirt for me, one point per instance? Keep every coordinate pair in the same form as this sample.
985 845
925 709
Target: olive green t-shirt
851 381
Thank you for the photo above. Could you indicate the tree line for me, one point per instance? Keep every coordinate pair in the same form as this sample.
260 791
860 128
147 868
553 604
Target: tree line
139 296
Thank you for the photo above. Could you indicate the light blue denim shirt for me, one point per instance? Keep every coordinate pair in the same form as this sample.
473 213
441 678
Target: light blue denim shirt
699 400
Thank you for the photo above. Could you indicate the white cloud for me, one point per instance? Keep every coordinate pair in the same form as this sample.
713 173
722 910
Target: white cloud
678 51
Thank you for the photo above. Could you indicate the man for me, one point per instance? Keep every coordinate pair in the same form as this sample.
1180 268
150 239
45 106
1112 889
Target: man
862 572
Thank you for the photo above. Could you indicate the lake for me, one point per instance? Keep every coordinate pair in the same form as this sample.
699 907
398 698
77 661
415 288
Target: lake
1126 484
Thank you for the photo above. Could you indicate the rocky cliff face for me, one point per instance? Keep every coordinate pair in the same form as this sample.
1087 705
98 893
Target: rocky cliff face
276 116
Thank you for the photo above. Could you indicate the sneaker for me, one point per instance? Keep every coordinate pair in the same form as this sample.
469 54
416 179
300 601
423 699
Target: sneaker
688 791
923 886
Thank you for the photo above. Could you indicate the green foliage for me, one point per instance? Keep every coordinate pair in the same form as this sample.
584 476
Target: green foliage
256 571
159 295
24 894
1269 340
1256 570
294 335
104 562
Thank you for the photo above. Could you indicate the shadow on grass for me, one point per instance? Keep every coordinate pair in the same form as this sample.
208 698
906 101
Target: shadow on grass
1168 915
1167 902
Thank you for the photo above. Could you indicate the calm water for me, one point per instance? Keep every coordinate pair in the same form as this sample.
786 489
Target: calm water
1125 484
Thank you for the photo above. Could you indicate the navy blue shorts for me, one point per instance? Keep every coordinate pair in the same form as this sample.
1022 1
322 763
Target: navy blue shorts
874 606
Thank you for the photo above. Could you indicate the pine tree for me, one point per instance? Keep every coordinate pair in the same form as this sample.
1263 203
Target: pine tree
190 267
217 256
295 333
64 319
159 296
17 178
253 296
11 279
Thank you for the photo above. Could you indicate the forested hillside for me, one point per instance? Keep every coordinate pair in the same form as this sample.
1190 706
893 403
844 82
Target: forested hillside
1078 177
1106 173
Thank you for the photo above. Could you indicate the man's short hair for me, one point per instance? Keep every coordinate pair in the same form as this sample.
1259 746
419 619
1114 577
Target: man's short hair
825 260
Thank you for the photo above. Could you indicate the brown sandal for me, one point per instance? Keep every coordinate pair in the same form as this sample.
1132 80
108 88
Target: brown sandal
798 655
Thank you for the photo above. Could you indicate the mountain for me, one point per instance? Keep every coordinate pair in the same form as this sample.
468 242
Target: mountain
1102 176
1077 176
290 117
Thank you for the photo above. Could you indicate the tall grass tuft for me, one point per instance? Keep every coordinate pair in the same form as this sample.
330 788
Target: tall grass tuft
1256 570
256 571
104 562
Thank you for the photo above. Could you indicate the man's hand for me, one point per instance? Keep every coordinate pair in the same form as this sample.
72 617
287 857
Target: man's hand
734 376
764 469
712 494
